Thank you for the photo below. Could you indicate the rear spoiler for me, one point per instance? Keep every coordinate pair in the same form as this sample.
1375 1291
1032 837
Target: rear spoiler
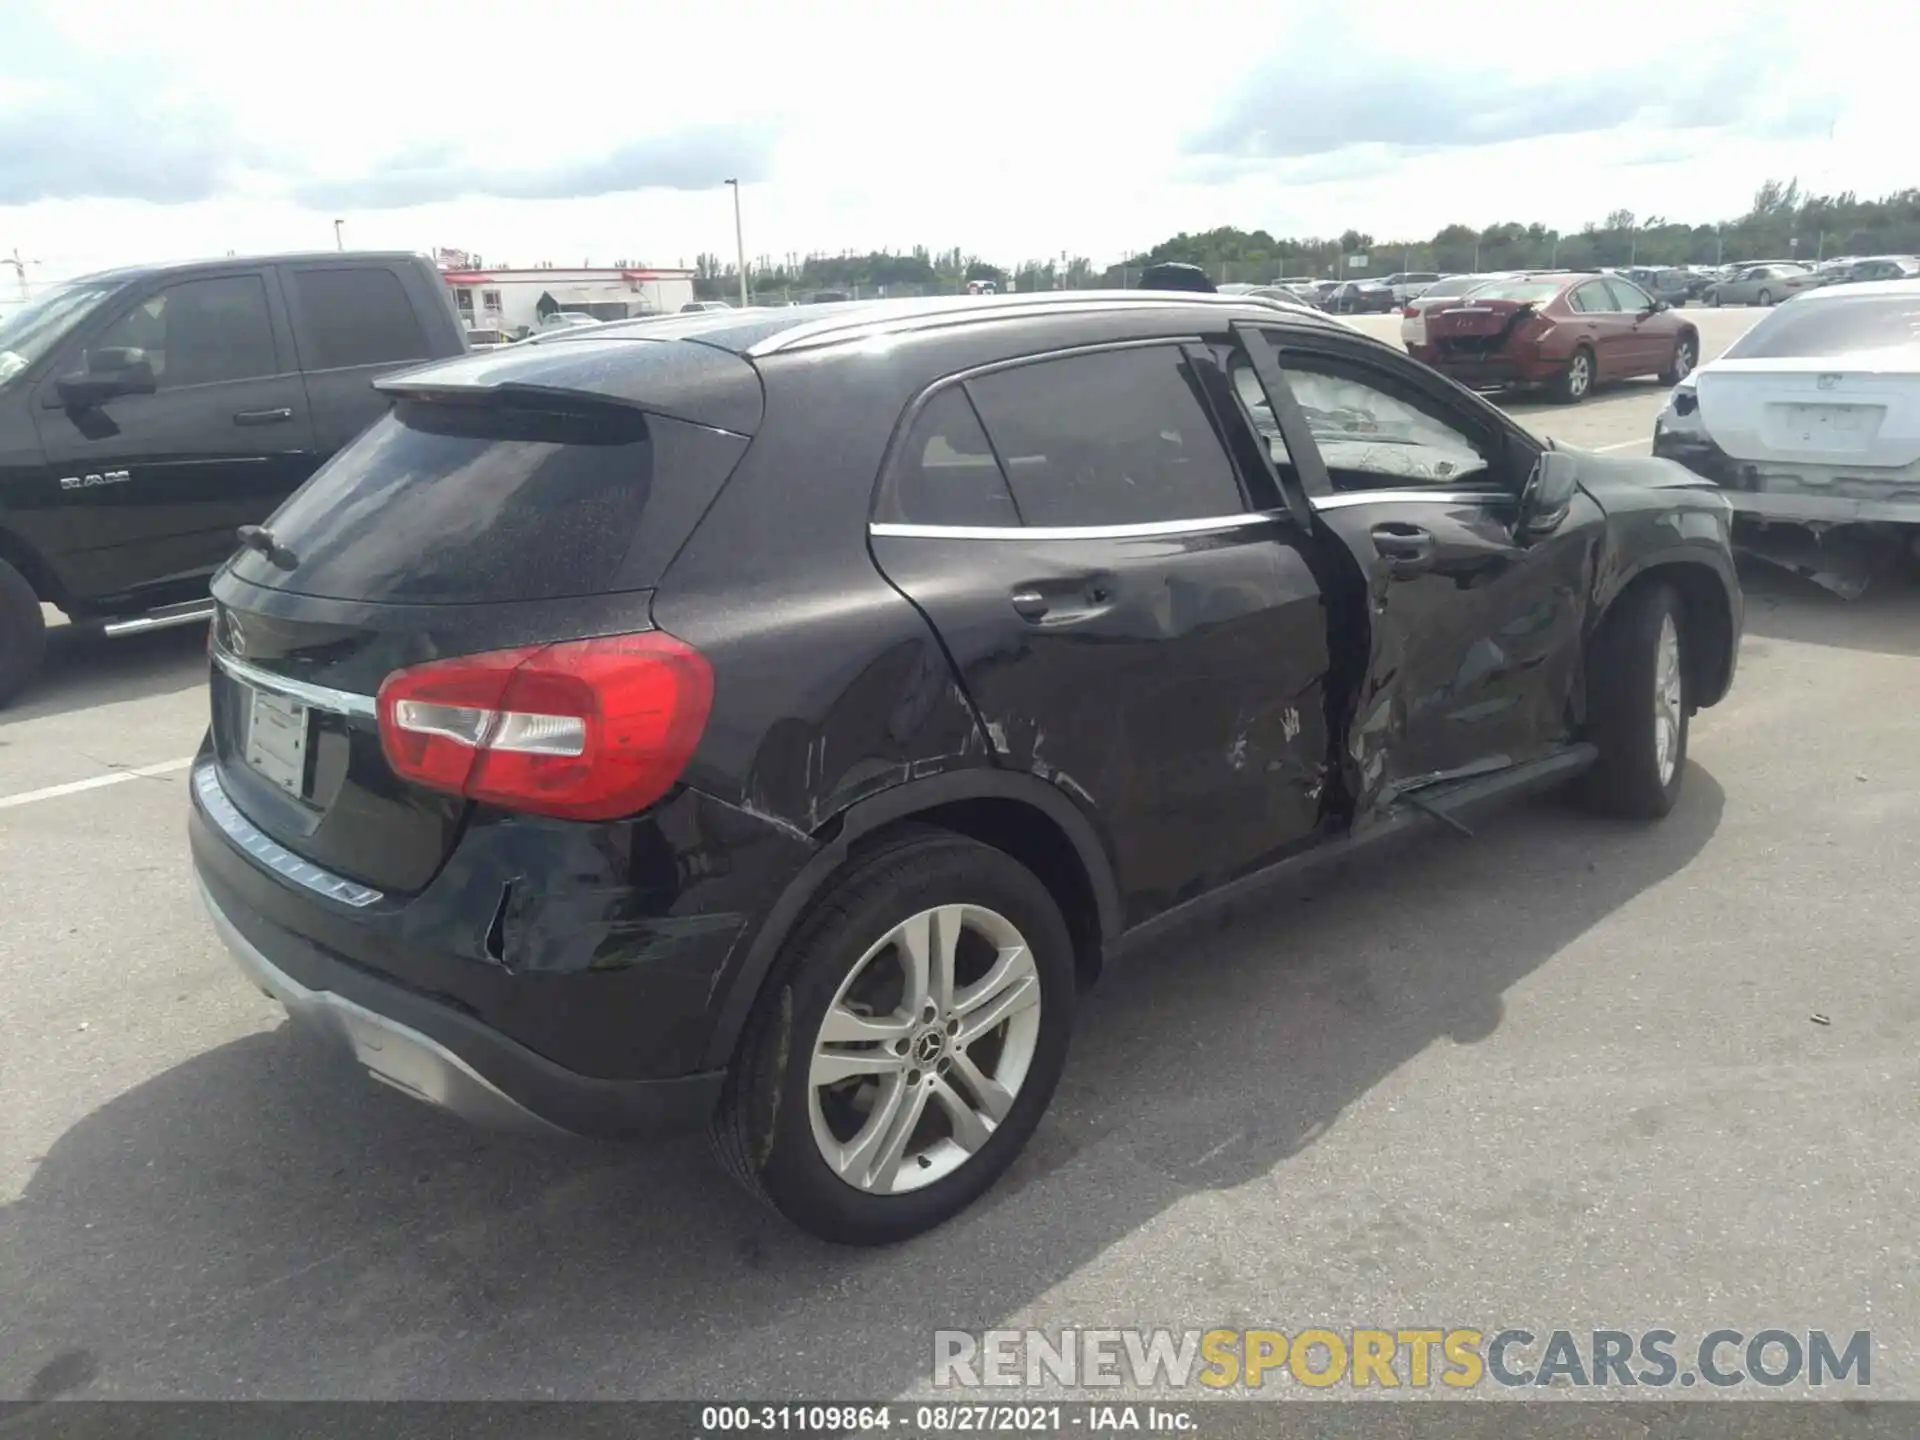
677 379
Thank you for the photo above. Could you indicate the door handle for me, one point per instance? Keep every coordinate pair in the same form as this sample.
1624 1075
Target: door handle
1407 548
264 417
1029 604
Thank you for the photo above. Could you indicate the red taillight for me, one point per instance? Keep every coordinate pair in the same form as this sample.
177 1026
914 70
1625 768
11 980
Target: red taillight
1410 313
584 730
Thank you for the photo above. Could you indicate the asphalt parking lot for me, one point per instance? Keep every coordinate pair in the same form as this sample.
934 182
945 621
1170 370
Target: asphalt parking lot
1564 1074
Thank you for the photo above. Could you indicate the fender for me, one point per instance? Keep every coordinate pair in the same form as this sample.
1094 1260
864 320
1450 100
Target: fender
845 830
18 552
1702 556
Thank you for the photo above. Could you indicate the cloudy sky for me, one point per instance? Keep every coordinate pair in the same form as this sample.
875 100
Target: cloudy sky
575 130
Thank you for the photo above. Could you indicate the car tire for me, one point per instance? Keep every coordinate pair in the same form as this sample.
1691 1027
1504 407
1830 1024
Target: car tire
1637 704
1686 354
775 1125
1765 297
1575 383
23 632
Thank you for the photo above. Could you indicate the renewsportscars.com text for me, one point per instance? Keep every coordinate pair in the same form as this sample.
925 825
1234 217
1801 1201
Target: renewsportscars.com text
1387 1359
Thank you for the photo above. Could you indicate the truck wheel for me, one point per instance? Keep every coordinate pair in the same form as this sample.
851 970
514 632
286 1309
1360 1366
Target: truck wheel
906 1044
1573 383
23 632
1637 691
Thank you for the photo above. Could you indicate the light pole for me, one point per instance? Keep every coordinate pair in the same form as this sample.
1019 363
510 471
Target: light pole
739 244
339 239
1554 263
20 272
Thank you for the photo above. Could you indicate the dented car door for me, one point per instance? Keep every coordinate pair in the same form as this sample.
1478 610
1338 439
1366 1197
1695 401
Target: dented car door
1472 638
1126 626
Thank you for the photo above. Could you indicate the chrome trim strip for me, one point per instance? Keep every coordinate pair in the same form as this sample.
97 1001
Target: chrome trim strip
1148 531
164 620
314 697
277 858
1436 497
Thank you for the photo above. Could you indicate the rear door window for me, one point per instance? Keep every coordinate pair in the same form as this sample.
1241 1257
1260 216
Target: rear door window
466 503
1592 299
355 316
945 473
1119 437
1627 295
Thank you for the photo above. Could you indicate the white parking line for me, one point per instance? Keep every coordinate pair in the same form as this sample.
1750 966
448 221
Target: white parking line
74 787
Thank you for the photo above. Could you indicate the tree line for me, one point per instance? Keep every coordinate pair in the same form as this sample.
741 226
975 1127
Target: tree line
1782 222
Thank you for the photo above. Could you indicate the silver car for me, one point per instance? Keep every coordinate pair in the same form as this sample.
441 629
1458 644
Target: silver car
1763 285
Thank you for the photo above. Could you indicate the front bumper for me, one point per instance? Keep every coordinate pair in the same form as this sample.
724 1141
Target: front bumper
438 1055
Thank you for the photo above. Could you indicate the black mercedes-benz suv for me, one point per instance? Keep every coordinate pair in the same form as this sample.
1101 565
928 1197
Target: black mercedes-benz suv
773 719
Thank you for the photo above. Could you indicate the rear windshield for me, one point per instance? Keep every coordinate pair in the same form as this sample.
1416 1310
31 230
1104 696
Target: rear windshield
1534 290
1455 285
1832 325
467 503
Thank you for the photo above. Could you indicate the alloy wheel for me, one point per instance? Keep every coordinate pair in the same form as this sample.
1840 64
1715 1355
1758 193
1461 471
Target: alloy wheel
1579 375
1667 701
924 1049
1683 360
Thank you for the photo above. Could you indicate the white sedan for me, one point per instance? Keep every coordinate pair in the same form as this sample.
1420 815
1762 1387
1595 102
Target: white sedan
1813 416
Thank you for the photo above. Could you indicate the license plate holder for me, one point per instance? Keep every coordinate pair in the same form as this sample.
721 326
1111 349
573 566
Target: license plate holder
1827 427
277 732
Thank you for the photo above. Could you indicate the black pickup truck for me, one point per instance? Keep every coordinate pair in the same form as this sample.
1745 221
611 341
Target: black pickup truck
148 413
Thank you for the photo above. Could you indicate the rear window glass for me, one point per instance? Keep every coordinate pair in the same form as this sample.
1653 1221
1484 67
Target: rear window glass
1116 438
946 473
356 317
1455 285
460 504
1534 290
1832 325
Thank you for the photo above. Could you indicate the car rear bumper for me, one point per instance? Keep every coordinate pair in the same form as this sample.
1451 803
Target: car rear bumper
1793 494
1485 372
1824 509
590 975
436 1054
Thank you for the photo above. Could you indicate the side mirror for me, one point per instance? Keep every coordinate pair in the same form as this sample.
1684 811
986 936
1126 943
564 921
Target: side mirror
110 373
1548 495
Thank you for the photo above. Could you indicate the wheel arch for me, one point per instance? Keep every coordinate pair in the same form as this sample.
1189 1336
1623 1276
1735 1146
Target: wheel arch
1708 624
1017 813
18 553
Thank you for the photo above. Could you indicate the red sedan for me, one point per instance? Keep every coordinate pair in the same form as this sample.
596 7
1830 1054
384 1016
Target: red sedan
1566 332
